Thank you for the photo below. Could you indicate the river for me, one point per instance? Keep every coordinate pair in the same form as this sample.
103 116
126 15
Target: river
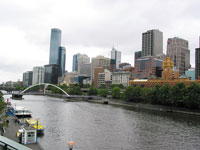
105 127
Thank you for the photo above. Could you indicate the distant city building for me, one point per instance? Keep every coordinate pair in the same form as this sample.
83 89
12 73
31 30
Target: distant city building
190 73
116 55
55 43
83 59
99 61
148 67
51 73
68 78
177 50
197 63
85 69
97 70
61 59
38 75
105 78
138 55
121 78
124 66
152 43
75 62
27 78
80 78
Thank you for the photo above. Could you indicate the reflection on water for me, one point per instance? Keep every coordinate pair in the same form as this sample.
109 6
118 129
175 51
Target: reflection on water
105 127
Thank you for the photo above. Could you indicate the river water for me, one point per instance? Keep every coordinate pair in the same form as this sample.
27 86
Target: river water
105 127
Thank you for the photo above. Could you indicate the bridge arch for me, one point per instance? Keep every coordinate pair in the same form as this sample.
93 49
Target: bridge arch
46 84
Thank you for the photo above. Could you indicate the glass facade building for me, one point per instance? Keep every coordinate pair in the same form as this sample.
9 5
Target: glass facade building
54 46
51 73
62 57
38 75
27 78
116 55
75 62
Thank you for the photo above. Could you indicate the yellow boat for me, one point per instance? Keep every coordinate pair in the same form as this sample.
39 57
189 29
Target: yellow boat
36 124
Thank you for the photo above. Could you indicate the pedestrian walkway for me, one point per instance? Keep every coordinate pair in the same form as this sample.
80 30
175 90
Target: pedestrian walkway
11 130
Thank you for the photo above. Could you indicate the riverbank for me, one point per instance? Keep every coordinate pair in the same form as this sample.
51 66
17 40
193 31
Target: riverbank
11 131
147 106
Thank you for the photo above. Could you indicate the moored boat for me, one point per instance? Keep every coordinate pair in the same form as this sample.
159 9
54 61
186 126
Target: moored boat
36 125
21 111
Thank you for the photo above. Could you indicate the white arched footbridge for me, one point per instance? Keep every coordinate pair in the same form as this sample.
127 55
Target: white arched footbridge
46 85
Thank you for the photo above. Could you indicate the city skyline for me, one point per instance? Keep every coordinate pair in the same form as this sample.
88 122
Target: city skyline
92 30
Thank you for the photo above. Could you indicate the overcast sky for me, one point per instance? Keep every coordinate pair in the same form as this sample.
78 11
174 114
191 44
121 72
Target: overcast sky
90 27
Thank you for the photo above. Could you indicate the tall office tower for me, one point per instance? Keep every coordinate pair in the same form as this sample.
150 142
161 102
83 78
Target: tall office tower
38 75
83 59
54 46
27 78
116 55
177 50
152 43
99 61
51 73
61 58
75 62
197 62
138 55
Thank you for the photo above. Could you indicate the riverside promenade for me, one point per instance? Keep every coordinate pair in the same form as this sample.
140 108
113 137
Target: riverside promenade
11 133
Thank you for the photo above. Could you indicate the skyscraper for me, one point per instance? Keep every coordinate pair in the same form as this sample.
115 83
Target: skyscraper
177 50
75 62
116 55
197 61
152 43
27 78
38 75
51 73
54 46
83 59
61 58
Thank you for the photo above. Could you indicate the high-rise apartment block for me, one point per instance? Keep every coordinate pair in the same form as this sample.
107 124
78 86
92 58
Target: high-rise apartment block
116 55
152 43
38 75
27 78
177 50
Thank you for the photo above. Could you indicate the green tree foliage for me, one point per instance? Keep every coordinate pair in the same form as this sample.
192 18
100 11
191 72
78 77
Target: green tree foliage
92 91
133 93
116 92
117 85
192 96
2 103
164 96
103 92
145 94
154 95
75 90
177 94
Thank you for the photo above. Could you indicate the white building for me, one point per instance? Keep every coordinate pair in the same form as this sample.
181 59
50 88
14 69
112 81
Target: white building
121 78
83 59
104 77
116 55
38 75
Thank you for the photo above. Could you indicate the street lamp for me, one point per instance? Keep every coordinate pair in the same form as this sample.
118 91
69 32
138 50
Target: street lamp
71 144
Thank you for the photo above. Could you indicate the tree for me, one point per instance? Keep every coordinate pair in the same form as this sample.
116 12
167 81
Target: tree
192 96
92 91
154 95
116 92
164 96
75 90
103 92
178 93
